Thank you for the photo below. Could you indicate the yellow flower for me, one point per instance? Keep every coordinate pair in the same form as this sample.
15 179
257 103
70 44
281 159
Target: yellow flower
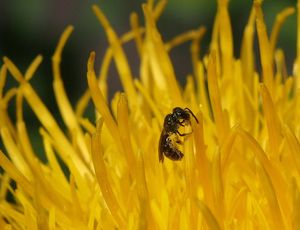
241 164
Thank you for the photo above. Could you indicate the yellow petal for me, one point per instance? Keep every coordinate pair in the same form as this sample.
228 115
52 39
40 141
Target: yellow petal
165 79
208 216
265 49
119 55
101 175
15 174
272 122
280 18
222 125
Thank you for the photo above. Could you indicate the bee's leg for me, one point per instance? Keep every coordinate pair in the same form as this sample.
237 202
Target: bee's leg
184 123
181 123
183 134
178 141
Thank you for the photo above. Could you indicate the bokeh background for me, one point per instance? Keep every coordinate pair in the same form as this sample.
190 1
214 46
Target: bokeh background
32 27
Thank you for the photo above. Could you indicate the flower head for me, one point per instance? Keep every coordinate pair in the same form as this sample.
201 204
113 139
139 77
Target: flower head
241 164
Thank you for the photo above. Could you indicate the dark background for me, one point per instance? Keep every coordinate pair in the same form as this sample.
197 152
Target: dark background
32 27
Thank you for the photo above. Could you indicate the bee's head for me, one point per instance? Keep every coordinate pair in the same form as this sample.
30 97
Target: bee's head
170 123
181 114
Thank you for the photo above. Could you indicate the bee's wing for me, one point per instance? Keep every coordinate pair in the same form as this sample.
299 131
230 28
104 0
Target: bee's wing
162 140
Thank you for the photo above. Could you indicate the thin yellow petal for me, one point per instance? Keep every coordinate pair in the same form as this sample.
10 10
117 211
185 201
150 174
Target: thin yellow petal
52 220
280 18
101 174
45 117
82 104
208 216
265 49
13 69
56 58
62 100
195 49
87 125
296 205
159 56
77 209
272 122
33 67
225 35
226 149
100 103
157 215
184 37
9 95
273 200
119 56
10 212
109 53
15 154
15 174
294 146
297 86
222 125
52 160
148 99
247 56
217 185
273 178
29 212
202 162
4 179
125 132
281 64
2 79
134 22
159 8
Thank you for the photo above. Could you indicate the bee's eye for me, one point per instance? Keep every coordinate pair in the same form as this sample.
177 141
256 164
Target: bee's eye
177 111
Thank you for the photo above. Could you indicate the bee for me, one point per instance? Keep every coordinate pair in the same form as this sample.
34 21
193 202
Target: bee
169 138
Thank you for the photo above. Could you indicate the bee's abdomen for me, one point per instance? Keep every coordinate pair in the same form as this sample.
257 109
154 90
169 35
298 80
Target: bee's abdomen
170 150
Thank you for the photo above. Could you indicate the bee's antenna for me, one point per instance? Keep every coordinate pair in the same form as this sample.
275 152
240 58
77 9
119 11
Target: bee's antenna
192 114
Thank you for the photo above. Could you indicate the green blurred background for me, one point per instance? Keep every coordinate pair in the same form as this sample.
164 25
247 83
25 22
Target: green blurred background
32 27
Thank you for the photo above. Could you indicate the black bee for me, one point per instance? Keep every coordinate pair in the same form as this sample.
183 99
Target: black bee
169 135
